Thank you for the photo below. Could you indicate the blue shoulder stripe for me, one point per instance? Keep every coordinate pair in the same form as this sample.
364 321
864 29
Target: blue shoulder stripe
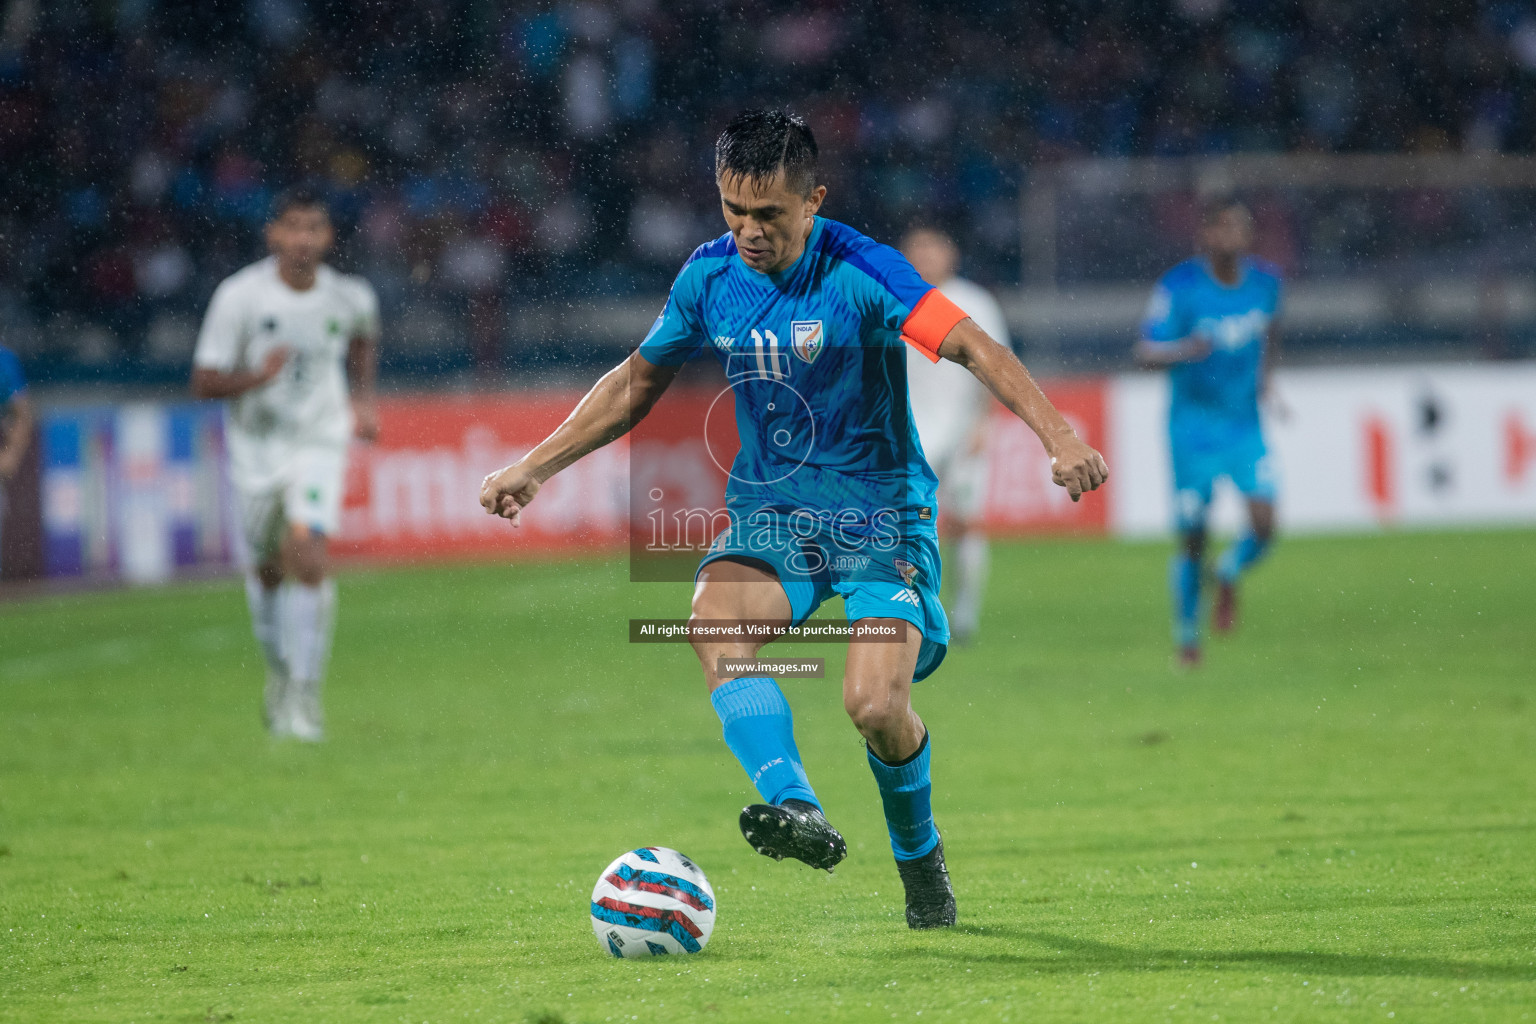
725 245
882 264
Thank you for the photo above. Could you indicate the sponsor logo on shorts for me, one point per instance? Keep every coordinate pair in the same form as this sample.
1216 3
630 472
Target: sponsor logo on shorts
906 596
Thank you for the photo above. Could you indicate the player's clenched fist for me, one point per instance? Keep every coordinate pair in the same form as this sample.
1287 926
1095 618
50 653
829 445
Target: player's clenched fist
1076 466
505 492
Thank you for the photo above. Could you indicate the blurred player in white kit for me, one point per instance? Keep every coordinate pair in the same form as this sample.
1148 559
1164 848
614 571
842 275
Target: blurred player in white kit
950 407
280 340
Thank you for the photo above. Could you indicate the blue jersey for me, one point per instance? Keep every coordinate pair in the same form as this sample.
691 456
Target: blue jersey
1218 394
12 383
815 359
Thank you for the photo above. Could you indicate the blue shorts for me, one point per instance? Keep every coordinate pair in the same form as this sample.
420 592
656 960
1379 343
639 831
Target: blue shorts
875 578
1198 460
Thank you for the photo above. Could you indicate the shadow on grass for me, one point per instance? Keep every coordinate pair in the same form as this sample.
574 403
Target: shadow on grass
1063 955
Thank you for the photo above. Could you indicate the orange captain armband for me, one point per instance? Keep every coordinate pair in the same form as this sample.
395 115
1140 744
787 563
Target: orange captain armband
930 322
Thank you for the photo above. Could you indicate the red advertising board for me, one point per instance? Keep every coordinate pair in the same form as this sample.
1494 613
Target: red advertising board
414 494
1020 495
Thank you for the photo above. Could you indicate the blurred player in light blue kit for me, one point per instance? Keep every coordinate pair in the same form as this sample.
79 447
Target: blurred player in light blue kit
15 421
1211 323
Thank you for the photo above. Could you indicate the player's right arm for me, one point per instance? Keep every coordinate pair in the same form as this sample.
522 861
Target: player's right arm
1075 464
614 405
16 416
616 402
216 372
1165 338
210 383
1156 355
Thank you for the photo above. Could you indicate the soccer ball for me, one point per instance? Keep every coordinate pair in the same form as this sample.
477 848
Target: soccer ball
650 902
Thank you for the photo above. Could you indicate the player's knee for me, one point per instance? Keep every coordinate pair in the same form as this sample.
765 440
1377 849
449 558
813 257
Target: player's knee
709 650
310 570
307 558
704 606
704 649
875 711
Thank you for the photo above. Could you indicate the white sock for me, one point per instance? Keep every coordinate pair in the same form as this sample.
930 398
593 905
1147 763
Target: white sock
308 615
265 604
970 580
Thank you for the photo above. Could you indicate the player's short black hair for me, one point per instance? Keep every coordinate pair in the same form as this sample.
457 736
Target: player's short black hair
301 196
758 142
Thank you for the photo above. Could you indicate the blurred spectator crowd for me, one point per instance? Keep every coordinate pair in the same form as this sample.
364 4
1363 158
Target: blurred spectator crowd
483 155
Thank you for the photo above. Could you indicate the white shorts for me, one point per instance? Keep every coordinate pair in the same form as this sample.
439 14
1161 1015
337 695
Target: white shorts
309 495
962 476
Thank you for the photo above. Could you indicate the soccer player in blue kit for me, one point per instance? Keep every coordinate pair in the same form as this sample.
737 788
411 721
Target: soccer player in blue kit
1211 322
829 495
16 421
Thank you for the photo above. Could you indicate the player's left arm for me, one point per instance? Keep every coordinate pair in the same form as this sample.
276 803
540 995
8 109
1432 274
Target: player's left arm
18 434
362 375
1075 465
363 364
988 316
1271 354
1267 394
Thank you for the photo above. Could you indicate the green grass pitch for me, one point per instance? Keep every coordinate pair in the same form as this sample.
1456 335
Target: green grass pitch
1334 820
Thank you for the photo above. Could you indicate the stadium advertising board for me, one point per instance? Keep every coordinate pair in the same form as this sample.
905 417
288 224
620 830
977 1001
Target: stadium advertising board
1358 449
1021 498
136 492
414 493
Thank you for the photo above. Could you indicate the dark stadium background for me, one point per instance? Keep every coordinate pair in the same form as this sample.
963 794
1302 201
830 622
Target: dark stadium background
508 174
1329 820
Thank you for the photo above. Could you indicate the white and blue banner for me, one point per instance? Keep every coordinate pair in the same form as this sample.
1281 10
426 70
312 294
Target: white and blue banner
136 492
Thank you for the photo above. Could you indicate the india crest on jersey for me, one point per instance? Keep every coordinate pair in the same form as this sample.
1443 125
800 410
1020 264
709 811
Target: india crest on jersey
806 338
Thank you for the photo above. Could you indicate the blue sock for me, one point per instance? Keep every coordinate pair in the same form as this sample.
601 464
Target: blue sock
1246 550
760 731
906 792
1184 580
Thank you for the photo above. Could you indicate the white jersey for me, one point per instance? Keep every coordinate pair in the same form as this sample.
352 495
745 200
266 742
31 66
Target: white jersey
947 399
253 312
